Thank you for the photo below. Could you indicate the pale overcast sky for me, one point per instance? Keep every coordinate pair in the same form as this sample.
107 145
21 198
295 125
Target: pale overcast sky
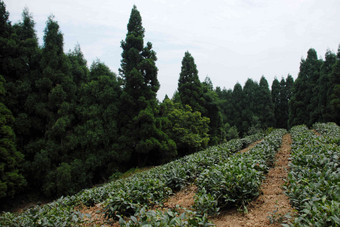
231 40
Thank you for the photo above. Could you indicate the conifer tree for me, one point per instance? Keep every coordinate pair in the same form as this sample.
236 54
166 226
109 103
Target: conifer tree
335 90
302 105
325 85
265 105
11 179
189 85
238 107
276 99
250 116
138 124
210 104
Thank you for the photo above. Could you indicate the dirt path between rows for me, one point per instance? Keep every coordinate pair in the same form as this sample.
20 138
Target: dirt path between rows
272 201
185 197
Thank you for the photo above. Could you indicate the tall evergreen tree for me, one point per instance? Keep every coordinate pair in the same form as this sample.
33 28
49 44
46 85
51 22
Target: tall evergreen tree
54 107
250 116
335 90
276 99
283 109
189 85
324 85
302 107
95 136
210 104
265 105
22 87
140 135
238 107
11 179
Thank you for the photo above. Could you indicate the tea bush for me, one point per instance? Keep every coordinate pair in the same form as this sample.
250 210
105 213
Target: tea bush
236 180
313 183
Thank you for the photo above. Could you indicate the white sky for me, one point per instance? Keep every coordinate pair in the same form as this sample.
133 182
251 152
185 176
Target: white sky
231 40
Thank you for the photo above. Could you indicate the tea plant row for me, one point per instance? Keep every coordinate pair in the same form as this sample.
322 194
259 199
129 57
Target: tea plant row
236 180
125 197
153 187
314 179
330 132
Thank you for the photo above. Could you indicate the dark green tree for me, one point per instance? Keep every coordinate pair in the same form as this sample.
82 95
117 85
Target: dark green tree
251 109
238 104
140 135
335 90
189 85
211 106
226 109
325 85
303 106
265 105
79 69
276 99
95 136
187 128
54 106
11 179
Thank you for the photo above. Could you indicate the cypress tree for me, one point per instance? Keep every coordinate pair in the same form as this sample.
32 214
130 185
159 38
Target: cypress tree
238 107
325 84
302 106
210 104
250 106
189 85
276 99
11 179
141 137
335 90
265 105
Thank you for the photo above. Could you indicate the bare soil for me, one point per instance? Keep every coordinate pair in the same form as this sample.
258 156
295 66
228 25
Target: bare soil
272 202
250 146
183 198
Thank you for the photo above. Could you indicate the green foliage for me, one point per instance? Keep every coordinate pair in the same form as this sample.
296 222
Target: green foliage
11 179
173 217
188 129
235 181
281 94
138 123
303 105
232 133
132 193
189 85
330 132
334 90
313 178
210 104
205 203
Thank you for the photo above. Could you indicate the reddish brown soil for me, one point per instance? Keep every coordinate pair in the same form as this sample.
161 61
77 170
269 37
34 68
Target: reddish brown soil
94 216
183 198
316 132
272 199
250 146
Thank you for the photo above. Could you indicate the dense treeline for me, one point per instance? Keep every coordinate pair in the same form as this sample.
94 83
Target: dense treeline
65 126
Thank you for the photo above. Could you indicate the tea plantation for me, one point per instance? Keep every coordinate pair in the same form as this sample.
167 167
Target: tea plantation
224 177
